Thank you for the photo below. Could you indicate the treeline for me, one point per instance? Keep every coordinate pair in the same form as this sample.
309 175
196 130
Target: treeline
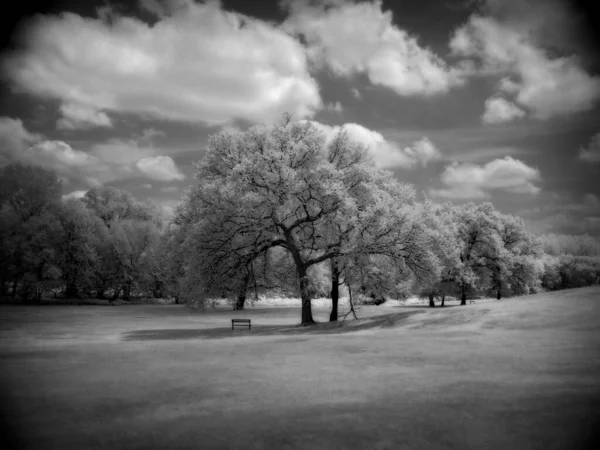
105 245
280 210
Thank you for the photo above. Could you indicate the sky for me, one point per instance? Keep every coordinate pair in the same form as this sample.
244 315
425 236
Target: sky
469 100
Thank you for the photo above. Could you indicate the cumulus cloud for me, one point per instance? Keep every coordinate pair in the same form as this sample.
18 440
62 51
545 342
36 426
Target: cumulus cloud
565 214
356 94
70 164
499 110
385 153
17 144
122 151
389 56
335 107
103 162
470 181
591 153
74 195
161 168
14 138
196 63
518 40
75 117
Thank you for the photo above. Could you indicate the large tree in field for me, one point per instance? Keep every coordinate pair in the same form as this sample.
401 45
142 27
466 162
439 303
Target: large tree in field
284 186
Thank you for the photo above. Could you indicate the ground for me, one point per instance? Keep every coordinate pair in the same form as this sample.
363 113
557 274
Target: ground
521 373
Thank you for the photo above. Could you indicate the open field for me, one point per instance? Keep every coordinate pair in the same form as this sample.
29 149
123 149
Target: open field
520 373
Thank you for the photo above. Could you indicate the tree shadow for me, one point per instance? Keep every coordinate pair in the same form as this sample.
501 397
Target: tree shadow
388 320
426 306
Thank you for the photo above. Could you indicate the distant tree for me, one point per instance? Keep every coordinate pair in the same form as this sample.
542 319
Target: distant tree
28 199
28 191
112 205
76 247
513 266
565 244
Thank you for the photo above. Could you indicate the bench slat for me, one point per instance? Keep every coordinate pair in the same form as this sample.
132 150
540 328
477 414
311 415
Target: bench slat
241 321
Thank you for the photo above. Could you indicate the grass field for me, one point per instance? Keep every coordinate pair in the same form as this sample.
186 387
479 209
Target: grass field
520 373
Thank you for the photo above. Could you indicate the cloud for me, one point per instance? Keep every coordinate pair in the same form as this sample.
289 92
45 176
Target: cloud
70 164
169 189
388 55
470 181
591 153
518 40
161 168
14 138
104 162
335 107
74 195
75 117
386 154
147 186
356 94
18 145
122 151
565 214
484 153
197 63
499 110
423 151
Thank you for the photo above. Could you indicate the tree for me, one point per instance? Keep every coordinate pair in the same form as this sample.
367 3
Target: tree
128 232
112 205
28 191
76 246
28 199
286 187
513 267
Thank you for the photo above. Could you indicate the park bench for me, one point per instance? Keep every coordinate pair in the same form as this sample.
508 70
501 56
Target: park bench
471 301
242 322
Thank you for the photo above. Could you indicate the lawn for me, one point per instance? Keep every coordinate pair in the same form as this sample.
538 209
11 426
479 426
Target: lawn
521 373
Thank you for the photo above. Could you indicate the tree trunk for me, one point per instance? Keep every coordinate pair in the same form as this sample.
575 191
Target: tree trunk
241 300
127 290
307 318
431 301
3 285
443 300
15 284
100 293
498 295
463 297
71 291
116 294
157 290
335 291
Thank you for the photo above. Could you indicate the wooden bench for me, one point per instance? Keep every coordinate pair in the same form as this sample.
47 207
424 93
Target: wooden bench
471 301
242 322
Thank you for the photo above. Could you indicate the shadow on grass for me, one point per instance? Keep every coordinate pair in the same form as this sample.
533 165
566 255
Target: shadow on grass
426 306
269 330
